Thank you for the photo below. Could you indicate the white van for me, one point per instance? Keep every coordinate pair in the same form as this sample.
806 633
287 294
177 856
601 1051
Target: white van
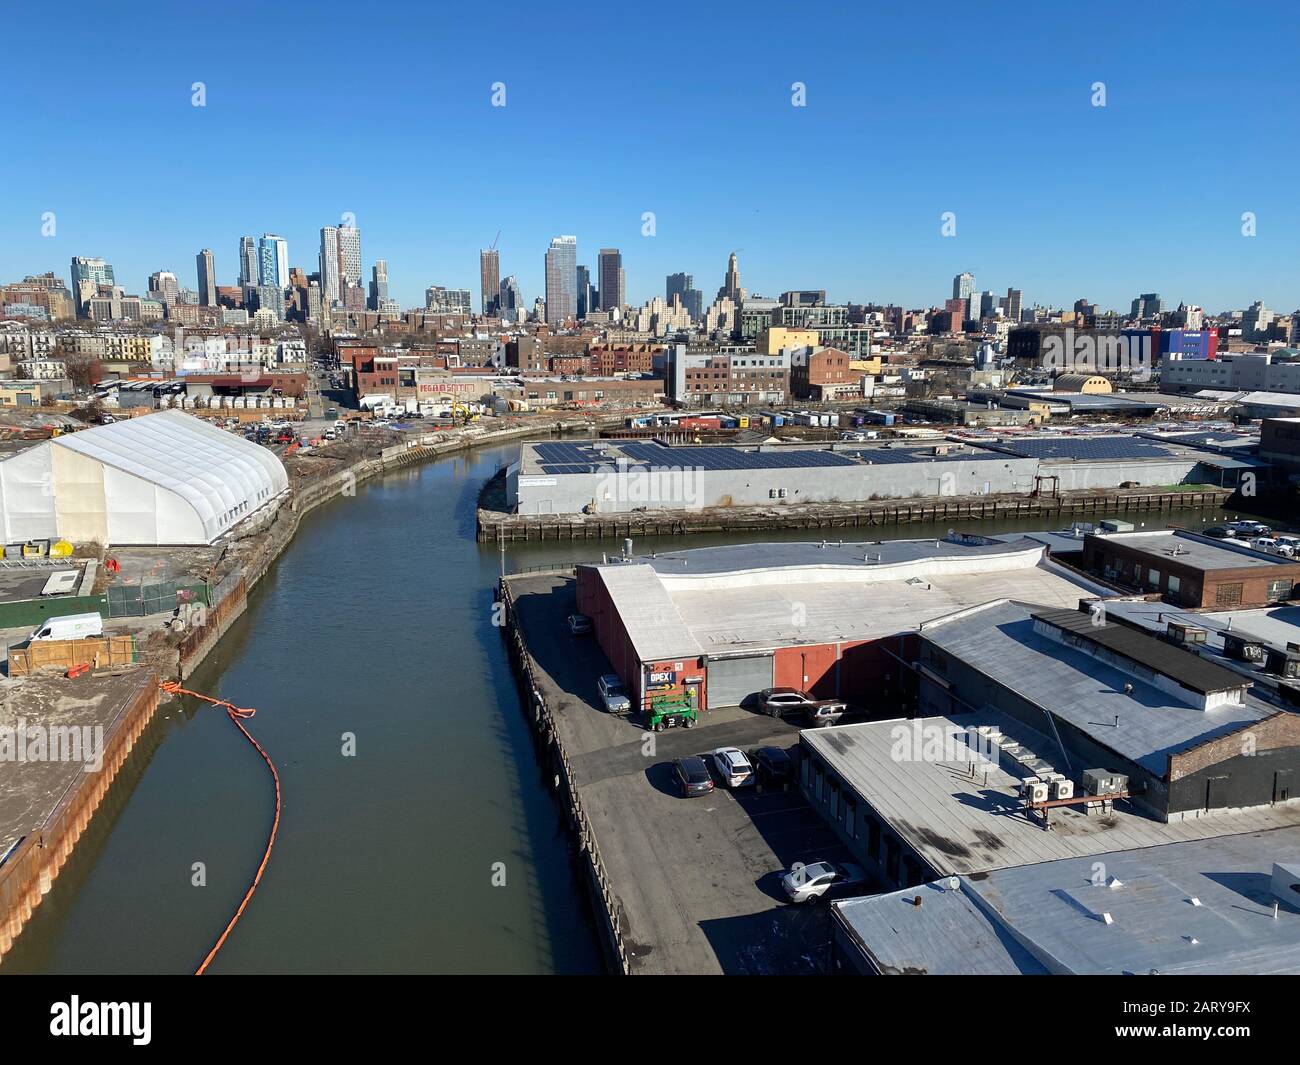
70 627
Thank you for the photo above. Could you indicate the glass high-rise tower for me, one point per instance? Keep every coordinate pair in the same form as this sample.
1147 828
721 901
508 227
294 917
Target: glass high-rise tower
561 280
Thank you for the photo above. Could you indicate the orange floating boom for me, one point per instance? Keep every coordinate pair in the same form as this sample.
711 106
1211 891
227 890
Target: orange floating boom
236 714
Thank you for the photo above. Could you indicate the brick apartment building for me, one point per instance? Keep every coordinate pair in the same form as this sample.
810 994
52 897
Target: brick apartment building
629 358
823 374
714 378
528 354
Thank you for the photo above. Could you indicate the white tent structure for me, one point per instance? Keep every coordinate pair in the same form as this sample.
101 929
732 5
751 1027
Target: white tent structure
165 478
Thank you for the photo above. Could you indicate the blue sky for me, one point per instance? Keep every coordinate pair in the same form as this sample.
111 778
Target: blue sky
384 110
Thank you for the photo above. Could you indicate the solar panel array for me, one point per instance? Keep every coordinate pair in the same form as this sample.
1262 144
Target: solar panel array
1089 449
729 458
1195 439
879 456
568 458
573 458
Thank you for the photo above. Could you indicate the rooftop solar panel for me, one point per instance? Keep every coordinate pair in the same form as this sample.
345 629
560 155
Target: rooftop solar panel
1094 449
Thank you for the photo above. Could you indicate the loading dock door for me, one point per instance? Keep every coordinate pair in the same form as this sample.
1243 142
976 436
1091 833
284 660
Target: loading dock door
732 680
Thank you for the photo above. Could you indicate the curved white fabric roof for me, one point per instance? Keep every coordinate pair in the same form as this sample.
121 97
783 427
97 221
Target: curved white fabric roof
222 476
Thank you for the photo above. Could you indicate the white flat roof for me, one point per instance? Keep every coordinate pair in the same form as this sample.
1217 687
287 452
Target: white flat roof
763 596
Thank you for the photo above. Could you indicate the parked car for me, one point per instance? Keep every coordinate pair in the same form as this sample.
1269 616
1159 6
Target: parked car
808 883
1286 540
773 767
613 695
692 776
579 625
1269 546
733 767
781 701
1219 532
1246 527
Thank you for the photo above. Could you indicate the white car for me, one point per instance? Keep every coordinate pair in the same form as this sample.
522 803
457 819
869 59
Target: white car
808 883
1271 546
733 767
613 695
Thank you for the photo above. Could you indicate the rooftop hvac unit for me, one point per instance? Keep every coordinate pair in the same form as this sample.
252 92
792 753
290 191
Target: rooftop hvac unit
1244 648
1184 633
1026 783
1103 782
1038 792
1063 788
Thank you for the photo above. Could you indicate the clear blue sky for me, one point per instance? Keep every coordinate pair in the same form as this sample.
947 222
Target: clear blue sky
912 110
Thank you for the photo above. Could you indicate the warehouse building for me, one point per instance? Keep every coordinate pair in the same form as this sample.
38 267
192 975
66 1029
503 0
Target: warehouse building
1260 643
1187 733
1046 742
1192 570
621 476
165 478
717 625
1230 904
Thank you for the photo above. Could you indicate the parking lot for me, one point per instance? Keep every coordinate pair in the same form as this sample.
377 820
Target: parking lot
698 878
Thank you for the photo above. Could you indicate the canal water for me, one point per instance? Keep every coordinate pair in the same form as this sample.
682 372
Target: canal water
435 846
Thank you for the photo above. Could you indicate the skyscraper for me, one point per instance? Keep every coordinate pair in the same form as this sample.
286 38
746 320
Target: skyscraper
511 299
331 285
609 278
207 278
349 255
273 261
163 286
87 277
1012 308
562 280
683 286
489 274
962 286
378 285
586 303
731 286
249 268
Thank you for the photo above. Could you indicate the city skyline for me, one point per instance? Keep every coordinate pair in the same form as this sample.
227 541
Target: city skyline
1031 207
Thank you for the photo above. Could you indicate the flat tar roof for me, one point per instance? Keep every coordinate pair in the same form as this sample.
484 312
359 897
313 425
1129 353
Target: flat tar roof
964 824
1048 917
1194 550
1145 724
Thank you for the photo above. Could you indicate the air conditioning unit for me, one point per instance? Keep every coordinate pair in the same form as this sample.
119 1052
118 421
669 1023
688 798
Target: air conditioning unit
1038 792
1103 782
1063 788
1244 648
1026 783
1181 632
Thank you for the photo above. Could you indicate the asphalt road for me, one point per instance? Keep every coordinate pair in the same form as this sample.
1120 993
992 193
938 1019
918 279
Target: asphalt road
697 878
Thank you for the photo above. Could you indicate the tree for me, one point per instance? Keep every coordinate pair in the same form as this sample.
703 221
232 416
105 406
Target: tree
84 371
